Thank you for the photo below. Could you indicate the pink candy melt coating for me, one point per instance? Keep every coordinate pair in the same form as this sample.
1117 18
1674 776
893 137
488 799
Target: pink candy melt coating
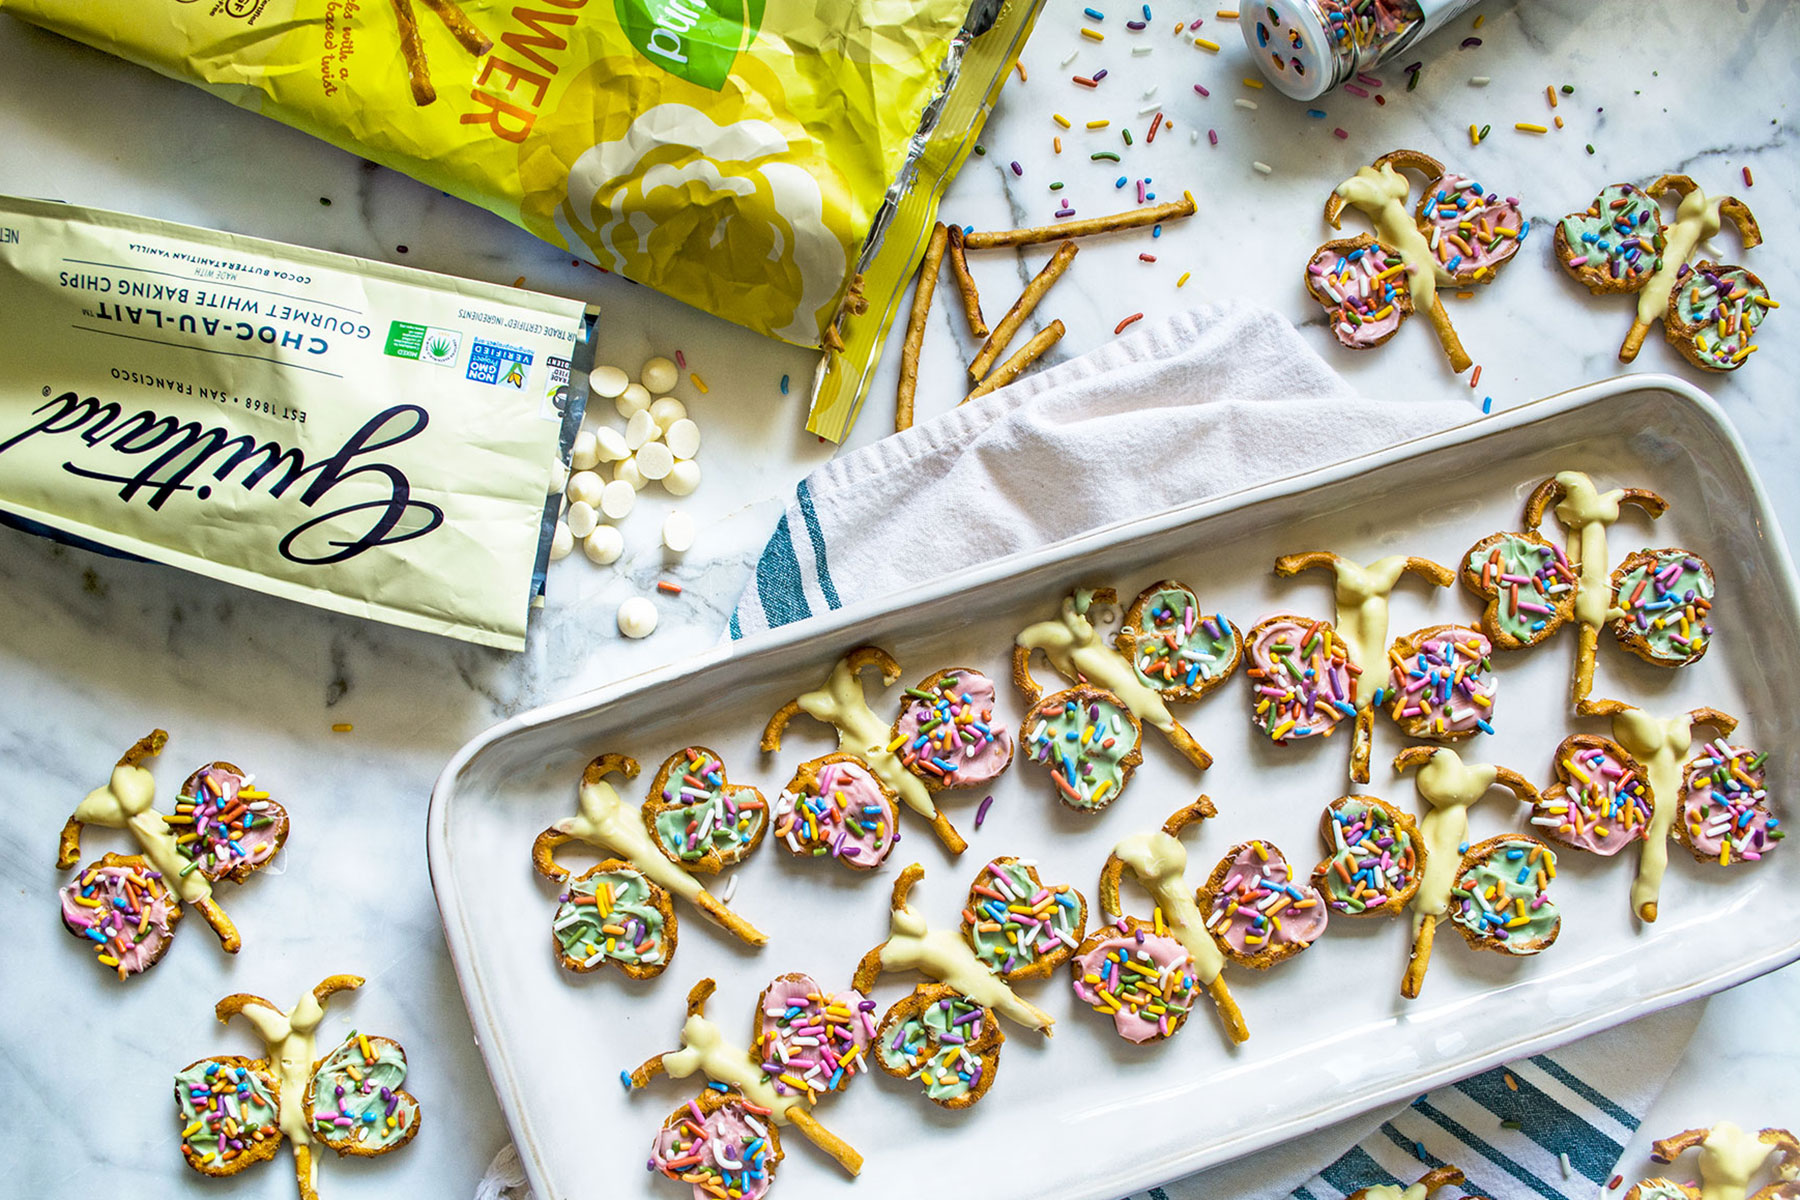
108 883
984 766
1357 282
1249 873
1165 952
727 1128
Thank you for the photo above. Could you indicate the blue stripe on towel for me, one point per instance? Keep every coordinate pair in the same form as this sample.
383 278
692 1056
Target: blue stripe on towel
817 536
1569 1080
1457 1131
1545 1122
1405 1143
1356 1169
778 583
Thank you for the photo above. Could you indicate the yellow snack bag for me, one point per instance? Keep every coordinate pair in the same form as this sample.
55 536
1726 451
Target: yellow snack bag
774 162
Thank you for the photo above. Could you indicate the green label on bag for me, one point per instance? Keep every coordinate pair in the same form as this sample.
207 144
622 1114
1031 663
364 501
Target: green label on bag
697 40
404 340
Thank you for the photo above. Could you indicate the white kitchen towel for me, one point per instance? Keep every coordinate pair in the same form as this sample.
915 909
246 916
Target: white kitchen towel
1199 405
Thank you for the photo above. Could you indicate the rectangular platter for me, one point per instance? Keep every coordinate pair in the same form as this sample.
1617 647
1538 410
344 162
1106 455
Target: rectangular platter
1330 1035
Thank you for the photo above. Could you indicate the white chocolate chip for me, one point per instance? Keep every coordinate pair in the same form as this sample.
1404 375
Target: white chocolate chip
559 475
632 401
683 437
660 376
582 518
637 618
641 430
654 461
561 542
608 382
584 486
612 444
604 545
667 411
627 472
586 455
678 531
683 478
617 500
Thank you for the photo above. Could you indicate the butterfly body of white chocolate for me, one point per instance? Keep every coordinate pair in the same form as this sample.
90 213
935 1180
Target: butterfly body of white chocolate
608 822
128 802
1075 649
289 1038
1696 219
1159 861
944 955
1449 786
1660 745
1362 615
706 1049
1380 193
842 705
1387 1191
1729 1158
1585 512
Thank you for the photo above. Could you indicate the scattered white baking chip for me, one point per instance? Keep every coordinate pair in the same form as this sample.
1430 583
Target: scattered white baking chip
582 519
678 532
642 429
667 410
654 461
584 486
561 542
627 472
559 475
683 478
632 400
683 437
586 454
608 382
660 376
612 444
617 500
604 545
637 618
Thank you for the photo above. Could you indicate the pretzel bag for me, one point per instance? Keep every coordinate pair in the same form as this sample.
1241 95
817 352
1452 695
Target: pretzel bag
773 162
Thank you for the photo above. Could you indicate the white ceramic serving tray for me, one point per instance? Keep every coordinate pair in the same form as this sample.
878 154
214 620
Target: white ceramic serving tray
1329 1033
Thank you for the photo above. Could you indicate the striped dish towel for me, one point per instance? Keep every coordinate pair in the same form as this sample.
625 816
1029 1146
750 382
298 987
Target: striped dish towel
1508 1128
1082 445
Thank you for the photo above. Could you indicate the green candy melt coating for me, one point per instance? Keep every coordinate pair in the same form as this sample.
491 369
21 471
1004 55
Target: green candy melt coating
1062 742
225 1090
1663 608
577 926
361 1111
993 947
1472 904
1212 654
1520 557
946 1070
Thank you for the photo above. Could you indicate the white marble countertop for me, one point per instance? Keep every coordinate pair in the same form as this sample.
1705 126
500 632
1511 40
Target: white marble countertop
97 652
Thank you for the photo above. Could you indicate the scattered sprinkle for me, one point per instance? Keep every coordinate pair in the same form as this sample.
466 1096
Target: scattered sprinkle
1183 279
1093 35
1528 127
784 385
625 1078
1470 43
1084 81
1212 135
1487 404
1613 1183
1568 89
1550 94
1226 14
1567 1171
344 727
1120 327
1108 155
1475 376
1209 46
1512 1085
1126 134
1479 18
1020 68
1263 168
980 813
1318 113
1150 258
1016 168
1241 102
1748 182
1201 90
1340 134
1060 119
1253 83
1094 14
1071 58
673 589
699 383
1479 80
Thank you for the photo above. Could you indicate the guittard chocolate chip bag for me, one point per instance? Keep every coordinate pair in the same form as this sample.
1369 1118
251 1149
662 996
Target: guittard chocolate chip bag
363 437
775 162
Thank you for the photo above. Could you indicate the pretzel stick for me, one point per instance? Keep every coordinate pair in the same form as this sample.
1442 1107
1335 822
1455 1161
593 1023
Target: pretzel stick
418 75
1039 234
1022 308
965 284
1015 366
915 327
471 38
